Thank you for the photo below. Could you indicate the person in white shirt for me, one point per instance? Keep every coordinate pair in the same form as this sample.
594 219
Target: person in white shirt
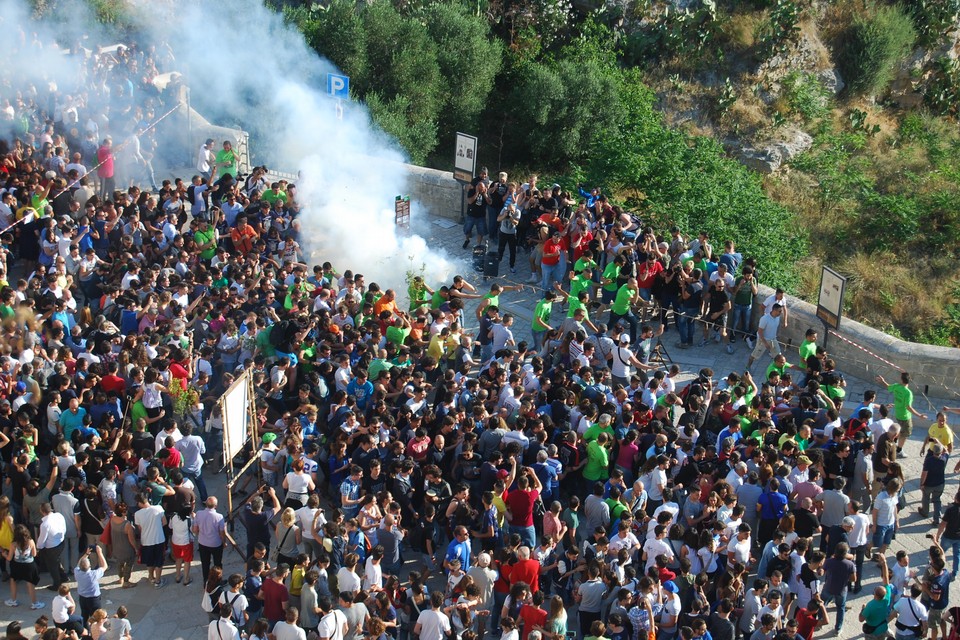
333 626
50 542
288 629
373 572
222 628
911 615
433 624
767 334
205 158
655 547
347 578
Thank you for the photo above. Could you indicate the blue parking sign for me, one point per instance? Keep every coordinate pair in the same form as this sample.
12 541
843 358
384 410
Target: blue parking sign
338 86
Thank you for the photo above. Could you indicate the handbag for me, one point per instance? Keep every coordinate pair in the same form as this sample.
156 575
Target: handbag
105 537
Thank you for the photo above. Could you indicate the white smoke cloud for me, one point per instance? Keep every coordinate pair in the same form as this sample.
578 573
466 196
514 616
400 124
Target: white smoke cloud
246 63
245 67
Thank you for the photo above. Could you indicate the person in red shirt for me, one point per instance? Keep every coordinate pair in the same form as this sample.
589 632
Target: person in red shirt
525 570
112 383
243 236
533 615
553 262
275 595
646 275
812 617
520 507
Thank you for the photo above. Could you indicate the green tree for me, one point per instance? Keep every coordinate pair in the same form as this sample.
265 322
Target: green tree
338 34
469 60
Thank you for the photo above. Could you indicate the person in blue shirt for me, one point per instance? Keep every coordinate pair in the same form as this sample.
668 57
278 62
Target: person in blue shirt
547 475
731 431
459 549
361 389
350 492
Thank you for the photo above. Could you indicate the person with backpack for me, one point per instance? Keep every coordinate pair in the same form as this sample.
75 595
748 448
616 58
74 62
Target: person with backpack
234 597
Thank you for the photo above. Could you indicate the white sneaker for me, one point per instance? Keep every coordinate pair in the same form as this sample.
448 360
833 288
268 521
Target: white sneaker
533 279
750 343
37 605
11 603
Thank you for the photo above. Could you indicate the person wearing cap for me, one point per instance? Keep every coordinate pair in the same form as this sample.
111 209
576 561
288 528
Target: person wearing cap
623 361
267 452
667 627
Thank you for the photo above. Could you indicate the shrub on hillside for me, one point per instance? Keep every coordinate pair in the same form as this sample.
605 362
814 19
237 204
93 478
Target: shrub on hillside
875 43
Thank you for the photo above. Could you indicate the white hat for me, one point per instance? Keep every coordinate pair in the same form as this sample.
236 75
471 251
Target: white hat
625 337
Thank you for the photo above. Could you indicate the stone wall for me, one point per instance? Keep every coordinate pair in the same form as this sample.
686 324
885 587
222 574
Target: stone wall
934 370
436 192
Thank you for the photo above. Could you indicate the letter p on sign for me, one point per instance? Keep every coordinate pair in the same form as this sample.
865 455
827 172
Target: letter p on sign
338 86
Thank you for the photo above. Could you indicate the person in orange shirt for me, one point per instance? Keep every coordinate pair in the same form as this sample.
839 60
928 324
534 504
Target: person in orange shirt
243 236
387 302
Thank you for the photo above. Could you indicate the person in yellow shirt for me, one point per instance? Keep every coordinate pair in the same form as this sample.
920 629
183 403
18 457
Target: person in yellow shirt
941 432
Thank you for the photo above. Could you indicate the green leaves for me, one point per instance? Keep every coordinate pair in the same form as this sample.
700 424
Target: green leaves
421 72
874 45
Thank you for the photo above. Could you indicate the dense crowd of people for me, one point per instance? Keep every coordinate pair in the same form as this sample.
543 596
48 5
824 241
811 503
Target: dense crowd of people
426 470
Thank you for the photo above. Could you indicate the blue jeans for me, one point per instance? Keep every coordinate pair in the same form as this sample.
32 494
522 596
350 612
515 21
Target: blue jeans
480 223
741 318
528 535
552 273
952 543
538 339
498 600
841 601
685 322
630 318
197 478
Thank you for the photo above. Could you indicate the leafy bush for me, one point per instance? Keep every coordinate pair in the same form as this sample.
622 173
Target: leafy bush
875 43
942 94
806 96
782 29
933 19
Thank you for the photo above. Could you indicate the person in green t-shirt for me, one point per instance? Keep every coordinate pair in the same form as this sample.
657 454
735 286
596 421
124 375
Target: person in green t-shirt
608 281
398 331
541 318
419 293
902 406
227 159
206 239
493 298
622 308
808 347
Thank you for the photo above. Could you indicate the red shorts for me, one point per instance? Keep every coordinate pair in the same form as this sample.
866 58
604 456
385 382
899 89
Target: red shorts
182 552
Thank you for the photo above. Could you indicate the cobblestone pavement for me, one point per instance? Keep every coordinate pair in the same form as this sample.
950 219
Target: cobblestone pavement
173 612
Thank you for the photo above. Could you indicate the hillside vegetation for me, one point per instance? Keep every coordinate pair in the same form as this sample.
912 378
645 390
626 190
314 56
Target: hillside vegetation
812 132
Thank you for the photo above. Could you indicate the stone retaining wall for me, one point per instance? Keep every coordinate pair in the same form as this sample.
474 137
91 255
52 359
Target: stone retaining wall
933 370
436 191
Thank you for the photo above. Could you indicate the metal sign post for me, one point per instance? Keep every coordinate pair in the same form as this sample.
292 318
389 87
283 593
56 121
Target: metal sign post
830 302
